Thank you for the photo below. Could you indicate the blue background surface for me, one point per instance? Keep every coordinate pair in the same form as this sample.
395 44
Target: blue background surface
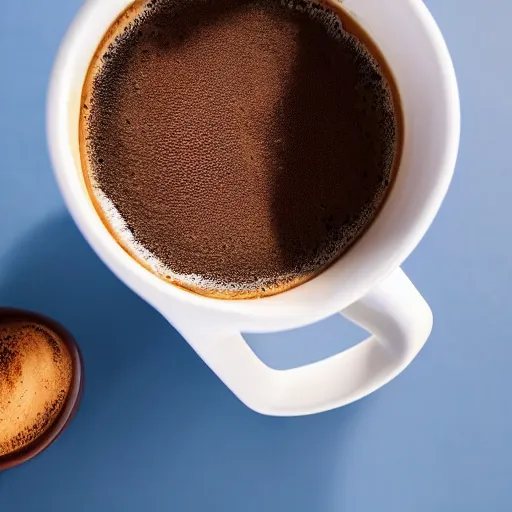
157 431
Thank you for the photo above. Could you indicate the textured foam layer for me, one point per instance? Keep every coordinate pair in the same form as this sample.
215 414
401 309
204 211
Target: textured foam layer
36 371
237 147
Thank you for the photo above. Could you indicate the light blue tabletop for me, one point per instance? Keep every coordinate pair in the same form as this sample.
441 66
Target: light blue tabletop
158 432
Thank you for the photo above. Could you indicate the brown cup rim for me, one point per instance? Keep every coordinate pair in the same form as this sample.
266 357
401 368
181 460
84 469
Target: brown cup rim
72 401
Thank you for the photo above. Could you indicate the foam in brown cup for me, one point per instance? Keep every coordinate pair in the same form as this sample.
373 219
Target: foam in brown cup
41 383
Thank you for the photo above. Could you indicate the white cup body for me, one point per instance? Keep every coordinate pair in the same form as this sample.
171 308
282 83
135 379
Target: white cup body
415 50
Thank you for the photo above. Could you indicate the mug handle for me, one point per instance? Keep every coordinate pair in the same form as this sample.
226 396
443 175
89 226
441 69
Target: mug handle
394 312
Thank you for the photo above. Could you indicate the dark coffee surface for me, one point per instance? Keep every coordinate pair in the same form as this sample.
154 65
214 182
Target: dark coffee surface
237 146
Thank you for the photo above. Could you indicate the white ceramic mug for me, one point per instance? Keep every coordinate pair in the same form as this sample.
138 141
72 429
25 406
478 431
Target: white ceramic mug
366 285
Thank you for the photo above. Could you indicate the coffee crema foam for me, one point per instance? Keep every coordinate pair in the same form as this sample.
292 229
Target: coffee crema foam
36 370
237 148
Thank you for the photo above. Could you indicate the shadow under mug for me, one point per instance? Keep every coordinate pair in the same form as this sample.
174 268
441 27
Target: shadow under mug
366 285
73 398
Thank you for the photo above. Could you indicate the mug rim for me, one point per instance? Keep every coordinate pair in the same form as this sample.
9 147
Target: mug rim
289 304
73 398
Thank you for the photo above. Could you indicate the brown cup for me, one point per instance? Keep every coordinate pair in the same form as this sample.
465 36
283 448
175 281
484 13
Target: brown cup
72 400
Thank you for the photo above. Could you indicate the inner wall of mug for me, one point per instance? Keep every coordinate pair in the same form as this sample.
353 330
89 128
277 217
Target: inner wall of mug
406 35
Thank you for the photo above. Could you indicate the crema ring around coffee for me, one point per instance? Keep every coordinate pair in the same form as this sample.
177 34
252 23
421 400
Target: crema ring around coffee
237 148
